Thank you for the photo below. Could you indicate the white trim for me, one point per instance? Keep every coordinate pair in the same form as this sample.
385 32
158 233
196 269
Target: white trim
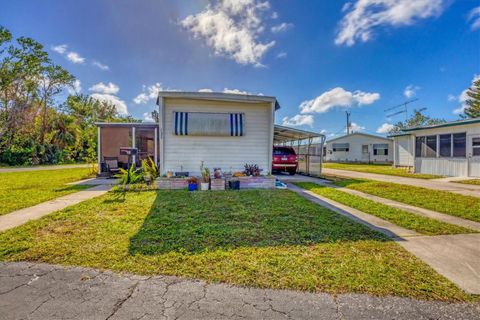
133 146
161 126
270 140
99 151
155 146
216 96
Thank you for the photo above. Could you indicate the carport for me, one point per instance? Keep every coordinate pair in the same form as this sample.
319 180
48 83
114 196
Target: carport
309 158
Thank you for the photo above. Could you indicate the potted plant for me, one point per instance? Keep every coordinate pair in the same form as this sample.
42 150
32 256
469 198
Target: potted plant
205 177
192 184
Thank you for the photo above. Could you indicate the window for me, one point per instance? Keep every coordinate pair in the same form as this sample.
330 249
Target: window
280 151
476 146
431 147
380 149
445 145
341 147
365 149
419 146
459 144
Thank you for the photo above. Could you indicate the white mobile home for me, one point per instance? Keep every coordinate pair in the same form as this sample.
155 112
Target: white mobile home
221 130
448 149
359 147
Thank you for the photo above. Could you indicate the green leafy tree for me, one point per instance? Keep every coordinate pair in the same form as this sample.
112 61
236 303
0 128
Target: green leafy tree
473 101
416 120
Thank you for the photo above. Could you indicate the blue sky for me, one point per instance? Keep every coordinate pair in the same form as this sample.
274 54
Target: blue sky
319 58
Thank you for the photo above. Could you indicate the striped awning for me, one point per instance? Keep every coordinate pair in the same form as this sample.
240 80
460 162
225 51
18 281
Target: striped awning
208 124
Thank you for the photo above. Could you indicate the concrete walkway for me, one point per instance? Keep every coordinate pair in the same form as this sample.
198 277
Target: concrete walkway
44 168
21 216
456 257
416 210
464 189
40 291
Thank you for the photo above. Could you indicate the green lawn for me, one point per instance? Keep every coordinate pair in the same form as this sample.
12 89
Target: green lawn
259 238
379 169
469 181
24 189
399 217
441 201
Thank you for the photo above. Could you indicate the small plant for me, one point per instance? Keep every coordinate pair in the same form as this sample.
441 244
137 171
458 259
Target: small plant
205 175
130 176
192 180
252 170
149 169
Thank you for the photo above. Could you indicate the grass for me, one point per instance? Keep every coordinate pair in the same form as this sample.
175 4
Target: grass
466 207
378 169
24 189
469 181
423 225
259 238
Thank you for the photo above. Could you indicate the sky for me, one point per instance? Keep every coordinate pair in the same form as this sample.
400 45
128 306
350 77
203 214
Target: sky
318 58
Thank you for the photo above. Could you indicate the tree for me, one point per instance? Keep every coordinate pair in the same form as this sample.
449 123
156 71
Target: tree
416 120
473 101
53 80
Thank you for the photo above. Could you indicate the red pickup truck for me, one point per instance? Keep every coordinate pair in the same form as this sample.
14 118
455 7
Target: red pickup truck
284 159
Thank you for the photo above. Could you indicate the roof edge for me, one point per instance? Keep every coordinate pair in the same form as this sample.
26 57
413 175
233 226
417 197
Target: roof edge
218 96
360 133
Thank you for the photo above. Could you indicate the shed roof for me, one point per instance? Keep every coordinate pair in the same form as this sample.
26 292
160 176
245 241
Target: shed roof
361 134
287 134
220 96
126 124
446 124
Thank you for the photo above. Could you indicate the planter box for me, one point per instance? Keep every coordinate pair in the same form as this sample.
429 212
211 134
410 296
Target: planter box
217 184
261 182
172 183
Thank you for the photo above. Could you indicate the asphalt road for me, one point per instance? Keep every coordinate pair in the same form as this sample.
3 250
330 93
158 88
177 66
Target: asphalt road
40 291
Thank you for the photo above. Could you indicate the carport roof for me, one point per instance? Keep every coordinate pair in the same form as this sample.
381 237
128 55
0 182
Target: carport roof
287 134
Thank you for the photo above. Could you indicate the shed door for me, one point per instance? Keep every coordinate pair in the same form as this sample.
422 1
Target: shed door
474 156
404 152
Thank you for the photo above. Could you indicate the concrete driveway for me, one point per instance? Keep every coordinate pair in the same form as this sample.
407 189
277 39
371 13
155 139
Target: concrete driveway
32 291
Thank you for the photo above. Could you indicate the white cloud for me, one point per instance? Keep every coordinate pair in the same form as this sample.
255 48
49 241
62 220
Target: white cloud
75 58
338 97
60 48
463 97
235 91
101 66
119 104
474 16
451 98
148 93
232 29
205 90
281 55
410 91
298 120
363 17
281 27
76 88
109 88
385 128
274 15
355 128
147 117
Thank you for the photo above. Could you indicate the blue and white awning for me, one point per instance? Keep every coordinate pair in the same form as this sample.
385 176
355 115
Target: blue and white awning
208 124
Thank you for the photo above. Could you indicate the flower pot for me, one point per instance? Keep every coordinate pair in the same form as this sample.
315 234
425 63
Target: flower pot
192 187
204 186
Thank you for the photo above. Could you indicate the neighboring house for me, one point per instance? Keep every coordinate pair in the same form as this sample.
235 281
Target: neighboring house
221 130
359 147
448 149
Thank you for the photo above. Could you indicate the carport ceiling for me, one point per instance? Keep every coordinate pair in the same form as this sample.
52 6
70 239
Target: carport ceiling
285 134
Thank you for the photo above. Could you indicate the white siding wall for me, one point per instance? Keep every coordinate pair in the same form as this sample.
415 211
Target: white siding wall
228 153
355 151
469 166
404 151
